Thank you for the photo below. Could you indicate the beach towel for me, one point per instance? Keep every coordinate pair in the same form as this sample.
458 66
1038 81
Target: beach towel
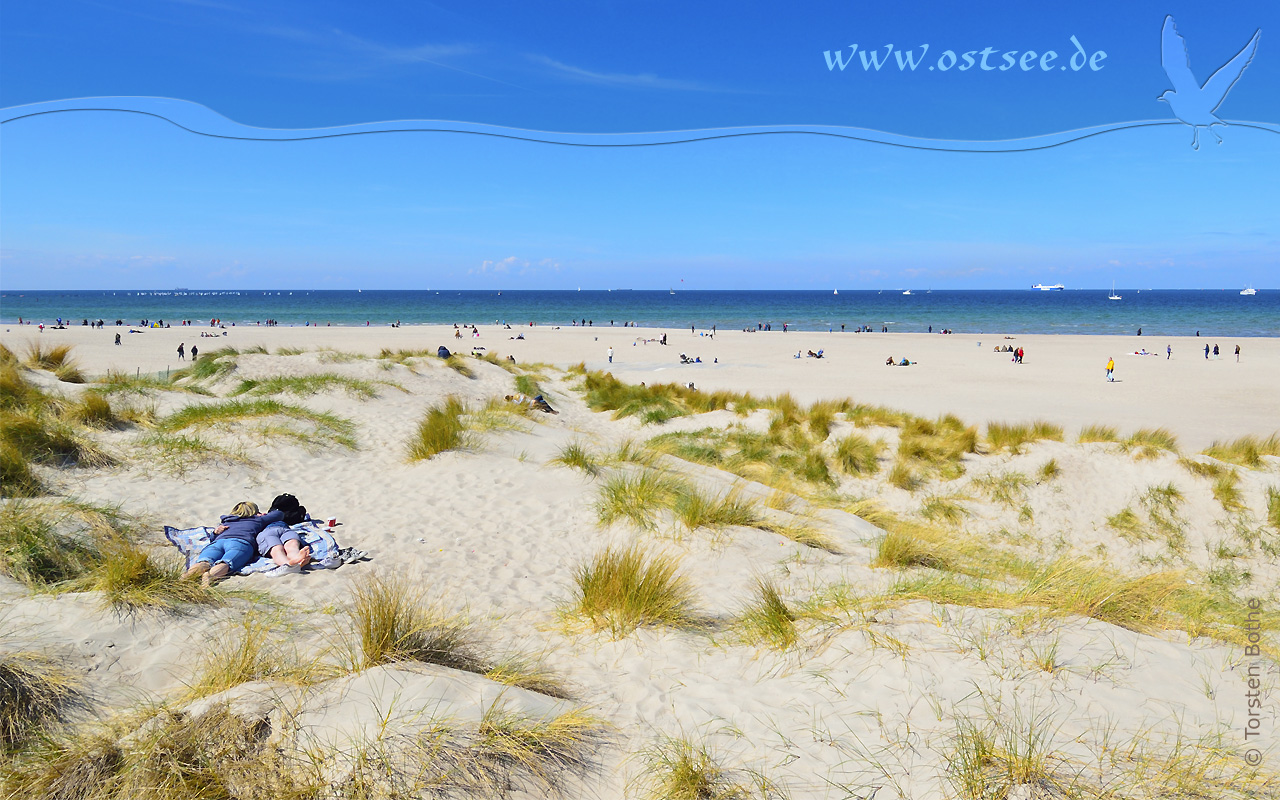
325 553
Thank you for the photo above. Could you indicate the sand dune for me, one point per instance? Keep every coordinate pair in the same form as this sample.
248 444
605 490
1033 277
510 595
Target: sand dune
879 695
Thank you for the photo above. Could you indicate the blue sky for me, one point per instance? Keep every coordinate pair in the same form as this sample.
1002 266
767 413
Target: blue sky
100 200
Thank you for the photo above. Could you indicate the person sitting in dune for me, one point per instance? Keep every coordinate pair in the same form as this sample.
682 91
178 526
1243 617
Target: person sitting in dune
536 402
235 546
889 362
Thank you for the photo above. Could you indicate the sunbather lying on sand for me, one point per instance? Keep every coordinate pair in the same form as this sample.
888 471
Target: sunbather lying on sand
235 547
536 401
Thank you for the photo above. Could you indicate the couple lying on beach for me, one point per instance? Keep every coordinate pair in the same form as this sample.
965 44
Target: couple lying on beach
245 534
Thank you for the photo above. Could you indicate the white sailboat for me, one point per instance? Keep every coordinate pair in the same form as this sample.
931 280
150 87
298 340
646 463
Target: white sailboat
1113 295
837 291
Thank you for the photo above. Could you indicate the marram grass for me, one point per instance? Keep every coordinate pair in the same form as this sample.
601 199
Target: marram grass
441 429
623 589
1246 451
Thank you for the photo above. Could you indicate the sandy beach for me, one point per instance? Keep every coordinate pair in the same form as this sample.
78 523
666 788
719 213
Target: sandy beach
881 688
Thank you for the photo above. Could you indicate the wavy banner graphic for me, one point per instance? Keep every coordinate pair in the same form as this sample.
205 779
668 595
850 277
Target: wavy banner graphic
204 121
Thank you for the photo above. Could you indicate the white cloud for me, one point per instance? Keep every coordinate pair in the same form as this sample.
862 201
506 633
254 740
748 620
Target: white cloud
643 80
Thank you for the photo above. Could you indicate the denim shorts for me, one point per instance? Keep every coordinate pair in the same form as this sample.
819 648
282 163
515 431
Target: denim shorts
277 533
235 553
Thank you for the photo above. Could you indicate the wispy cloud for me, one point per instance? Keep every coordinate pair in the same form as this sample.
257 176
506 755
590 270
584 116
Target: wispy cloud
512 265
644 80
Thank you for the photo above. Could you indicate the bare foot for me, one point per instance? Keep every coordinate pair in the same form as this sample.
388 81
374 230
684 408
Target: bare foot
303 557
217 573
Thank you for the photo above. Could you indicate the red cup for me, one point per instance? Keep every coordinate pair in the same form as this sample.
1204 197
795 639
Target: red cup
333 521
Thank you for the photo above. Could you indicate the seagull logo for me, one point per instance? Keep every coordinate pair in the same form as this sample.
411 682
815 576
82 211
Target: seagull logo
1191 102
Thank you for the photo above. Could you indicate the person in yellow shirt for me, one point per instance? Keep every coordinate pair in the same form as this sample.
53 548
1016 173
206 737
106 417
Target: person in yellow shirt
1111 368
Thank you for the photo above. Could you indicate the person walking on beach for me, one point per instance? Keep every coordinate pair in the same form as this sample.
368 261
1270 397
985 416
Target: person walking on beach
1216 354
182 353
1111 368
610 355
1168 352
1206 349
1237 354
117 338
195 351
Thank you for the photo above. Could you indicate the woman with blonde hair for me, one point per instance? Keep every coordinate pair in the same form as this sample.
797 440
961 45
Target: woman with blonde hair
235 546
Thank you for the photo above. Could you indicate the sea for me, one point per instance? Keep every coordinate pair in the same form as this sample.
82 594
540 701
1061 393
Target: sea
1165 312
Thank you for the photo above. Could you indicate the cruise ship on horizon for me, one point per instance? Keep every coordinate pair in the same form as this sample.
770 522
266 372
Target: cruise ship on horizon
1057 287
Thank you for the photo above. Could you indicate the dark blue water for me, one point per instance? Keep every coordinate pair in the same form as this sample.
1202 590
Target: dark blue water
1163 312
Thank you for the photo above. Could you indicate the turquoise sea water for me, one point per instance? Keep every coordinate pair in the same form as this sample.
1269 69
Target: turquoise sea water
1162 312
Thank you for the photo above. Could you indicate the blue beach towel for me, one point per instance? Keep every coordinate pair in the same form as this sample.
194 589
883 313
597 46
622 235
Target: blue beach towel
324 548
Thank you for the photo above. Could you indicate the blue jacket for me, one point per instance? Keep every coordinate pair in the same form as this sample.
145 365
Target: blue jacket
247 528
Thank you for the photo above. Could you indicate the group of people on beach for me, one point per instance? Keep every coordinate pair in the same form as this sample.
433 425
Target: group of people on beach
246 534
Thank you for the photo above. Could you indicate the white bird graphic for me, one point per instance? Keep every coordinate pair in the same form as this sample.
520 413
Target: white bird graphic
1190 101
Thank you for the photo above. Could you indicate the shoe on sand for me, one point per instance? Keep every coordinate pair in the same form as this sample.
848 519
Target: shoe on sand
197 569
284 569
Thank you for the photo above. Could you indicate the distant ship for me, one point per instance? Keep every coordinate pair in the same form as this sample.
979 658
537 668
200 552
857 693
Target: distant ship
1113 295
837 291
907 292
1057 287
671 291
1248 291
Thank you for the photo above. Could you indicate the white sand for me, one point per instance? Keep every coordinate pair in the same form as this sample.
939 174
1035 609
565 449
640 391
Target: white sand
1061 378
497 532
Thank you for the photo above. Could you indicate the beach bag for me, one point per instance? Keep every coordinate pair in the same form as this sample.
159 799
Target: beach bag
294 511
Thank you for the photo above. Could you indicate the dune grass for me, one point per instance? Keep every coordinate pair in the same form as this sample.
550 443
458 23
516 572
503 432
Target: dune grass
528 672
49 357
695 509
623 589
932 447
801 531
1049 470
1128 524
539 754
1150 443
1246 451
576 455
209 366
252 650
174 755
943 509
1226 490
992 756
1098 433
1013 437
1068 586
1203 469
307 385
391 621
440 430
655 403
181 452
906 544
131 579
42 545
676 768
1273 507
36 692
767 620
527 385
1006 488
637 497
858 456
124 383
39 429
321 429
